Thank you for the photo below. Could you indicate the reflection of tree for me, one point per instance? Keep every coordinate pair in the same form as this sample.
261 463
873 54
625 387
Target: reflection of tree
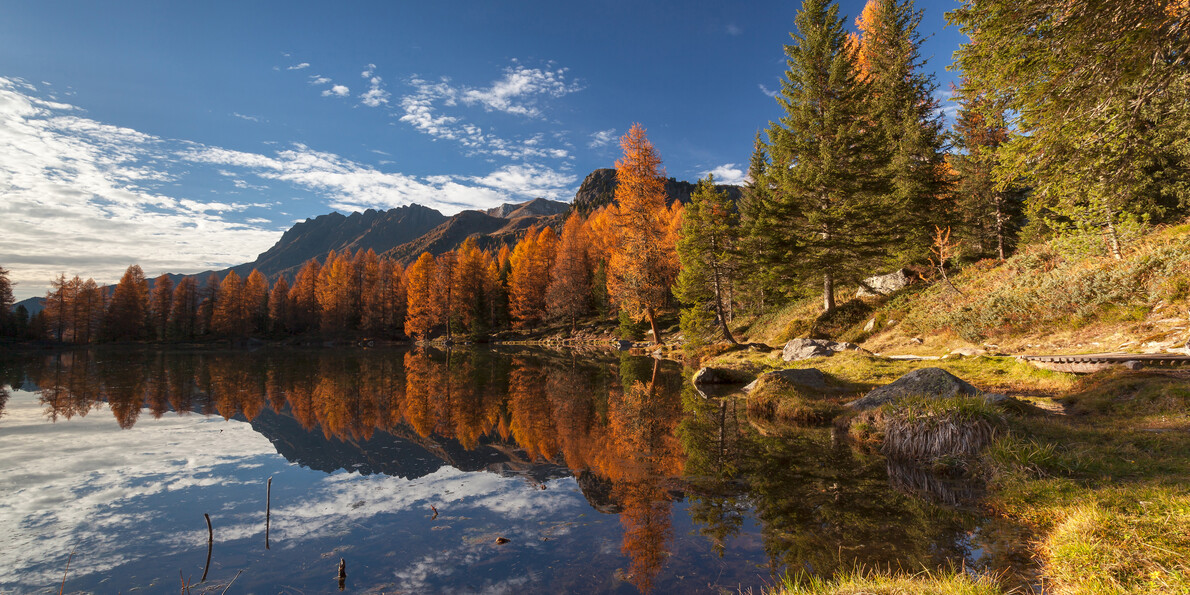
716 440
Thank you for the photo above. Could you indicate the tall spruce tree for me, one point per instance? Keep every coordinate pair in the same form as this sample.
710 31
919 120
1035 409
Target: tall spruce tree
825 217
1098 93
905 117
706 250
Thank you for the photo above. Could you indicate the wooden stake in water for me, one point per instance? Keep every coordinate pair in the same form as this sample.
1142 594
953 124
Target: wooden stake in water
210 544
268 509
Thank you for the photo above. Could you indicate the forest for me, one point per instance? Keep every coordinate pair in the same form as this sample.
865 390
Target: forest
859 176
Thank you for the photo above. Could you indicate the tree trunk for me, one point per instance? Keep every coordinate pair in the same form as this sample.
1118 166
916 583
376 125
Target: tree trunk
720 310
828 293
653 323
1113 238
1000 225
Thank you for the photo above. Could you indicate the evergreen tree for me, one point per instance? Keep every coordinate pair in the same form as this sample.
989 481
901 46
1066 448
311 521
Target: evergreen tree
706 250
825 216
905 118
1098 94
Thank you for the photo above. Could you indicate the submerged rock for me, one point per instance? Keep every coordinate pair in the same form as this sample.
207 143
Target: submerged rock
924 382
799 349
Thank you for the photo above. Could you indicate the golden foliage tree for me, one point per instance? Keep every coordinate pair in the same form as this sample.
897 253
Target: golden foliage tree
256 301
160 303
643 264
422 311
569 292
279 306
230 316
303 297
128 311
531 262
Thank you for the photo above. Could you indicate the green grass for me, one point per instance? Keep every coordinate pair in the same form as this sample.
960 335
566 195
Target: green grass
776 400
886 583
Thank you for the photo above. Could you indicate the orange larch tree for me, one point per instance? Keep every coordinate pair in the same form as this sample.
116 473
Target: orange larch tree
256 301
303 298
422 310
183 314
128 311
569 292
279 306
643 264
230 316
160 303
531 262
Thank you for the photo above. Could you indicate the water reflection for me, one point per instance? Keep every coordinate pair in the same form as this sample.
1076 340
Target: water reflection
640 442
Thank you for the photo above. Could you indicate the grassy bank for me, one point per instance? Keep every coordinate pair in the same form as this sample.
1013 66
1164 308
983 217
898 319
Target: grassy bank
1099 470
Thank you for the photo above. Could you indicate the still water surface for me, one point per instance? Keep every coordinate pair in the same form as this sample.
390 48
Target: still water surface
605 473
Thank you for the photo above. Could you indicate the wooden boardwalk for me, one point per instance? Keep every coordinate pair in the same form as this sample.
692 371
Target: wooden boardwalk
1093 362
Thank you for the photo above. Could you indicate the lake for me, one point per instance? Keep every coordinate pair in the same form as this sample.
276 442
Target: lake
486 470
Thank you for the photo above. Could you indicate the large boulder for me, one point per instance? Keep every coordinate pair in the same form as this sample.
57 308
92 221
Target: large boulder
807 378
924 382
799 349
884 284
709 375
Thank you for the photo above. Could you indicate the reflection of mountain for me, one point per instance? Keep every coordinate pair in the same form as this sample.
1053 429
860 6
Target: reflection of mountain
402 453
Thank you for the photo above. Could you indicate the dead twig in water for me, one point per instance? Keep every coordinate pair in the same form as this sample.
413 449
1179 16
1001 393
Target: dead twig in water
268 511
63 587
210 546
233 579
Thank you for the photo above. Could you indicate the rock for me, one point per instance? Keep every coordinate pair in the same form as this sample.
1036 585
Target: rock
799 349
884 284
709 375
501 540
809 378
1133 365
759 347
624 345
968 351
870 326
916 340
926 382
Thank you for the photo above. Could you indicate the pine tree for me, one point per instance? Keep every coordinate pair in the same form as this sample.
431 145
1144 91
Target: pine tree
824 217
643 264
706 249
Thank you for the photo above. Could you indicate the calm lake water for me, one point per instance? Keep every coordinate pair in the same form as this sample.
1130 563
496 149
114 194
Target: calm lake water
605 473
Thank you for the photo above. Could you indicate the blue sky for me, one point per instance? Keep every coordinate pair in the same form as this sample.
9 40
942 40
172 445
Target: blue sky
189 136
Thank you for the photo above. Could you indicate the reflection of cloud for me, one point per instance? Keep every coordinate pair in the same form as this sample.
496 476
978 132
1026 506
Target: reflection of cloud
85 483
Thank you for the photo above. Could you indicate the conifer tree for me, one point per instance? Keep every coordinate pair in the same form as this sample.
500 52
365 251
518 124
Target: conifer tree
569 292
422 312
184 309
160 302
706 249
279 306
58 303
824 217
7 320
208 301
128 311
643 264
905 118
303 298
445 266
1098 94
256 301
230 316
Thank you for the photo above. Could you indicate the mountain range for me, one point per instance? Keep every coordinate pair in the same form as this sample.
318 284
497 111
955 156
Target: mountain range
403 233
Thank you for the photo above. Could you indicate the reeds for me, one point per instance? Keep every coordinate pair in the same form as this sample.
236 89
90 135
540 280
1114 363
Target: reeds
926 430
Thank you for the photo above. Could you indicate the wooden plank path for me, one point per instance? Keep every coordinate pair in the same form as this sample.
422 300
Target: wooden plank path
1093 362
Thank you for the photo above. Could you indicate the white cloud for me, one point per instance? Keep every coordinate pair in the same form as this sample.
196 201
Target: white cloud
767 91
71 184
244 117
529 181
517 92
319 80
375 96
734 29
602 138
337 91
301 66
727 173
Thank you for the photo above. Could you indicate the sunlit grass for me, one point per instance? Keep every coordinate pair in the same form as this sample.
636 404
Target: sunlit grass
885 583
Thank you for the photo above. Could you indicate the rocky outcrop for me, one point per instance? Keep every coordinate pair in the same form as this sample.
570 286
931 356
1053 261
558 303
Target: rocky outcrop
599 189
885 284
799 349
925 382
807 378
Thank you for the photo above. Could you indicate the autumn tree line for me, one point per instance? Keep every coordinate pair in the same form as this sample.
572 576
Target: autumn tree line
858 176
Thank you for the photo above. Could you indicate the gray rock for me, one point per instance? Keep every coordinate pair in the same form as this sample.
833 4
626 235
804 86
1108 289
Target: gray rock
917 341
799 349
870 326
884 284
809 378
709 375
969 351
624 345
926 382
